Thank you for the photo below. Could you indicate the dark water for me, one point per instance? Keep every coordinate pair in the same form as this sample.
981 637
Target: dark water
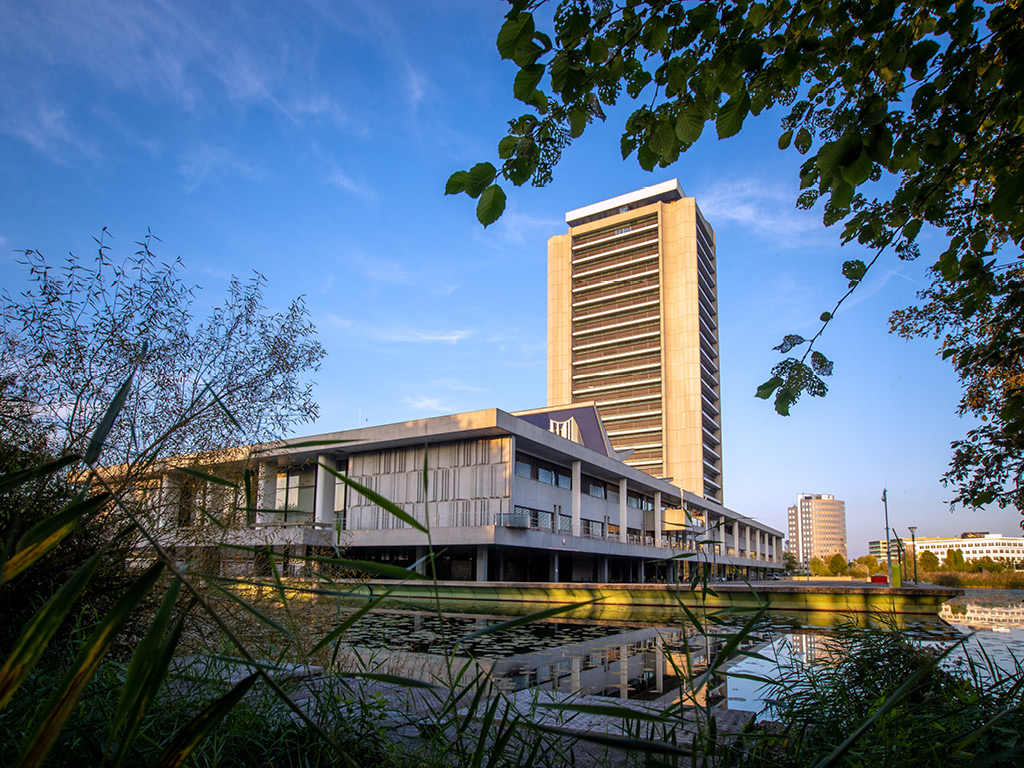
651 657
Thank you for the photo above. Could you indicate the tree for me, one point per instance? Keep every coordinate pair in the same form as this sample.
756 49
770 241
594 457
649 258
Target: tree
82 330
928 562
870 561
906 113
817 567
837 564
954 559
789 562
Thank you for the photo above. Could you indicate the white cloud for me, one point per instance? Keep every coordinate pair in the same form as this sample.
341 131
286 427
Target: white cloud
331 320
426 403
420 335
766 208
517 227
204 161
338 178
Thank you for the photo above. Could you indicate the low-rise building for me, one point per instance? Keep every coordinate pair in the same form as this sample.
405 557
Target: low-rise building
534 496
976 545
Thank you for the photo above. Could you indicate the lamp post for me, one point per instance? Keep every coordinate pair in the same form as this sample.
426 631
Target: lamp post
913 544
888 553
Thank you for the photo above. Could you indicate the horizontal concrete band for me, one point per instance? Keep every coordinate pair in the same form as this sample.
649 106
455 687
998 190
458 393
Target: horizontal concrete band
859 598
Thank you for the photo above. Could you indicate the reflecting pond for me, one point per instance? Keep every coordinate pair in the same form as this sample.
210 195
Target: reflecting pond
648 658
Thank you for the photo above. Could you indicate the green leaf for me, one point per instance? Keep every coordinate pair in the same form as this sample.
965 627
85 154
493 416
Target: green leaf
190 737
206 476
99 437
825 317
85 665
527 80
41 628
859 170
145 674
456 183
515 29
45 535
789 341
854 271
821 364
491 205
911 228
689 125
803 141
577 123
662 140
478 178
785 139
732 114
1006 202
507 147
765 390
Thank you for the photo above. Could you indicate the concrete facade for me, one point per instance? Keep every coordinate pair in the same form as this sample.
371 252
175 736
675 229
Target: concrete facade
633 327
506 497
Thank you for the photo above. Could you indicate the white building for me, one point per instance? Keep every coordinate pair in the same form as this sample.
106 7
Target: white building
976 546
537 496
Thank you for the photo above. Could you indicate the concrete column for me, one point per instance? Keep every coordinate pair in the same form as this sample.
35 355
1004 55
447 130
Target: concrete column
757 545
622 510
481 562
602 569
553 567
658 525
266 496
167 507
623 672
323 503
424 567
747 548
577 482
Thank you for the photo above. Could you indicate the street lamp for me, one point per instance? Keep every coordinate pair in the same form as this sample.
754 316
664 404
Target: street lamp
888 549
913 544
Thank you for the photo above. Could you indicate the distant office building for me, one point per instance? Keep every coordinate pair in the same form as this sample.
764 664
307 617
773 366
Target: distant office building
817 527
977 546
880 550
633 328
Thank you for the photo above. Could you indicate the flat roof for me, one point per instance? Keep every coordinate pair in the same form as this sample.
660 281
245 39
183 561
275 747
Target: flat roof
666 190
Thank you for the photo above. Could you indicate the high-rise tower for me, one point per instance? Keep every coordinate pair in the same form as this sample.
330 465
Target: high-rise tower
633 327
817 527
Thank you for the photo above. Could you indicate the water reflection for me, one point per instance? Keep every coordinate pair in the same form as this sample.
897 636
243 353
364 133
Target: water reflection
650 655
642 661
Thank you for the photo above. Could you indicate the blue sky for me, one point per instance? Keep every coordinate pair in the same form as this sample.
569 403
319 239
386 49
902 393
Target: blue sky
311 141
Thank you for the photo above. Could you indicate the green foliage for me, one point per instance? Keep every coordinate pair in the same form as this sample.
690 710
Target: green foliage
986 347
924 96
954 559
870 561
789 562
928 562
837 565
877 699
818 567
